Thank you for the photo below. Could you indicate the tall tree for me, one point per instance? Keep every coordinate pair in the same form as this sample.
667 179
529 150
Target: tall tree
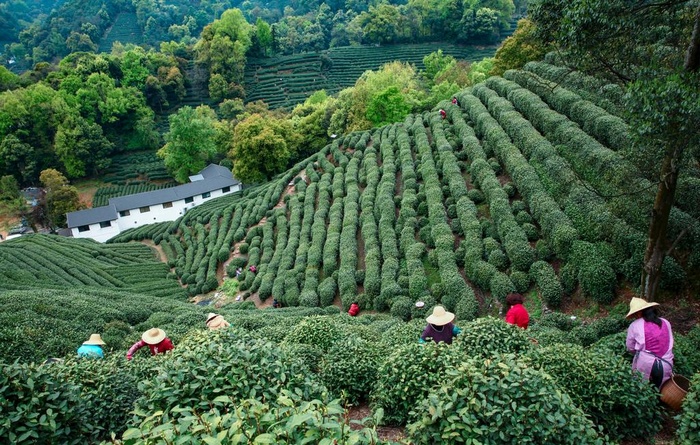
190 142
653 49
60 198
262 146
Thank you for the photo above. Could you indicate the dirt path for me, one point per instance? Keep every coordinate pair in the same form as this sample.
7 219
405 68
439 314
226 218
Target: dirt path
159 249
363 411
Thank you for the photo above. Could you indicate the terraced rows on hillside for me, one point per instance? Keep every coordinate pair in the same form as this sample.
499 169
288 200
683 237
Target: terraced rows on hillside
125 30
289 80
507 193
54 262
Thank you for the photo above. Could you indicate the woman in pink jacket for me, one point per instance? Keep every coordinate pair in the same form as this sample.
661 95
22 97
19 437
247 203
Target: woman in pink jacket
650 338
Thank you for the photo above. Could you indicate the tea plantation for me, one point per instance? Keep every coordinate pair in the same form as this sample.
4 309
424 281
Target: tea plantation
519 188
285 375
288 80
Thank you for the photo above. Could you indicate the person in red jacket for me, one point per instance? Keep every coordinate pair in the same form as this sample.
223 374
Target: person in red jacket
156 341
354 309
443 113
517 314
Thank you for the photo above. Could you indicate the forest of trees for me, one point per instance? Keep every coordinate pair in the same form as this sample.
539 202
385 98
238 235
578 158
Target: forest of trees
279 27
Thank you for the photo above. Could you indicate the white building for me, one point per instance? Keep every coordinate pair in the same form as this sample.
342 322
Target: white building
126 212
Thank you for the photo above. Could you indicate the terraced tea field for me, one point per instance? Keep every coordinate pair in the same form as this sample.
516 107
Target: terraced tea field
289 80
125 30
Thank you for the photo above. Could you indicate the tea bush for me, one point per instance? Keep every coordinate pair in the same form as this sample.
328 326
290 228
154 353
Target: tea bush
349 369
37 408
498 401
108 389
688 432
287 419
316 331
686 349
215 363
600 384
408 375
399 334
487 337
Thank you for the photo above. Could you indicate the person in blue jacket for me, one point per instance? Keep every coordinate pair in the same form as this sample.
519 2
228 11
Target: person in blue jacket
92 348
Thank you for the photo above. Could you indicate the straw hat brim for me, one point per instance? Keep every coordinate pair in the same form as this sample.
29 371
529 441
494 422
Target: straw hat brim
440 320
637 304
211 316
95 341
215 322
153 336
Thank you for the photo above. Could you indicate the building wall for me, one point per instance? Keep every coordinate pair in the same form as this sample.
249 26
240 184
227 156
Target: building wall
155 214
97 233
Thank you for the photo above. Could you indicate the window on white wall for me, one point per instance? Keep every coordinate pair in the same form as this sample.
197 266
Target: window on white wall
84 229
167 205
124 213
225 189
189 200
206 195
104 224
144 209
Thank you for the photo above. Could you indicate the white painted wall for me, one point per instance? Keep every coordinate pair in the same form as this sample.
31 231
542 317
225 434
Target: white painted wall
97 233
155 214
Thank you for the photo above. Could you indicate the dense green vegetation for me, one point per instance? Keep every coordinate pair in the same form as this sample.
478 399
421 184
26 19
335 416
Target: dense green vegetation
492 196
285 374
288 80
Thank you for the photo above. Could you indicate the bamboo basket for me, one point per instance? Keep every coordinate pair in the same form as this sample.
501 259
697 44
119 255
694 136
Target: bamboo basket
674 390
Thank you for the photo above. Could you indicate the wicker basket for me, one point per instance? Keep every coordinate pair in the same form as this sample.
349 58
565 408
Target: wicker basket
674 390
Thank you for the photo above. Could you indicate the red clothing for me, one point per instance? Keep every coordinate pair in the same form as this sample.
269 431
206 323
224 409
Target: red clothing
164 346
354 310
517 315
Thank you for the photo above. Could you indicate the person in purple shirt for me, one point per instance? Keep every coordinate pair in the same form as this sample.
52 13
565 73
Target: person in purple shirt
440 327
650 338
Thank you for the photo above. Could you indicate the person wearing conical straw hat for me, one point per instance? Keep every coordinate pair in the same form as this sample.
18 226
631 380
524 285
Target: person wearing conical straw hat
155 339
440 327
92 347
650 339
216 321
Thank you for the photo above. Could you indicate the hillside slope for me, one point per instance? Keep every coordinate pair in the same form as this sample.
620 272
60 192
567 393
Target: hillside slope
522 187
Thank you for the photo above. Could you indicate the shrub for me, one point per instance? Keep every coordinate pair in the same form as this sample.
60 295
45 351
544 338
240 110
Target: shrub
686 349
499 401
476 196
38 408
286 419
349 369
326 291
530 231
209 365
408 375
520 280
688 432
543 251
316 331
487 337
546 279
401 308
401 333
600 384
498 259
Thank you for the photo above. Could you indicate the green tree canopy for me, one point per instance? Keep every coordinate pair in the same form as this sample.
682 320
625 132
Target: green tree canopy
190 142
262 147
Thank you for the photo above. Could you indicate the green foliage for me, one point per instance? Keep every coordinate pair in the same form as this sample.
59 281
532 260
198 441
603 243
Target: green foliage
530 407
689 420
286 418
266 373
189 142
488 337
600 384
408 375
349 369
40 409
316 331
